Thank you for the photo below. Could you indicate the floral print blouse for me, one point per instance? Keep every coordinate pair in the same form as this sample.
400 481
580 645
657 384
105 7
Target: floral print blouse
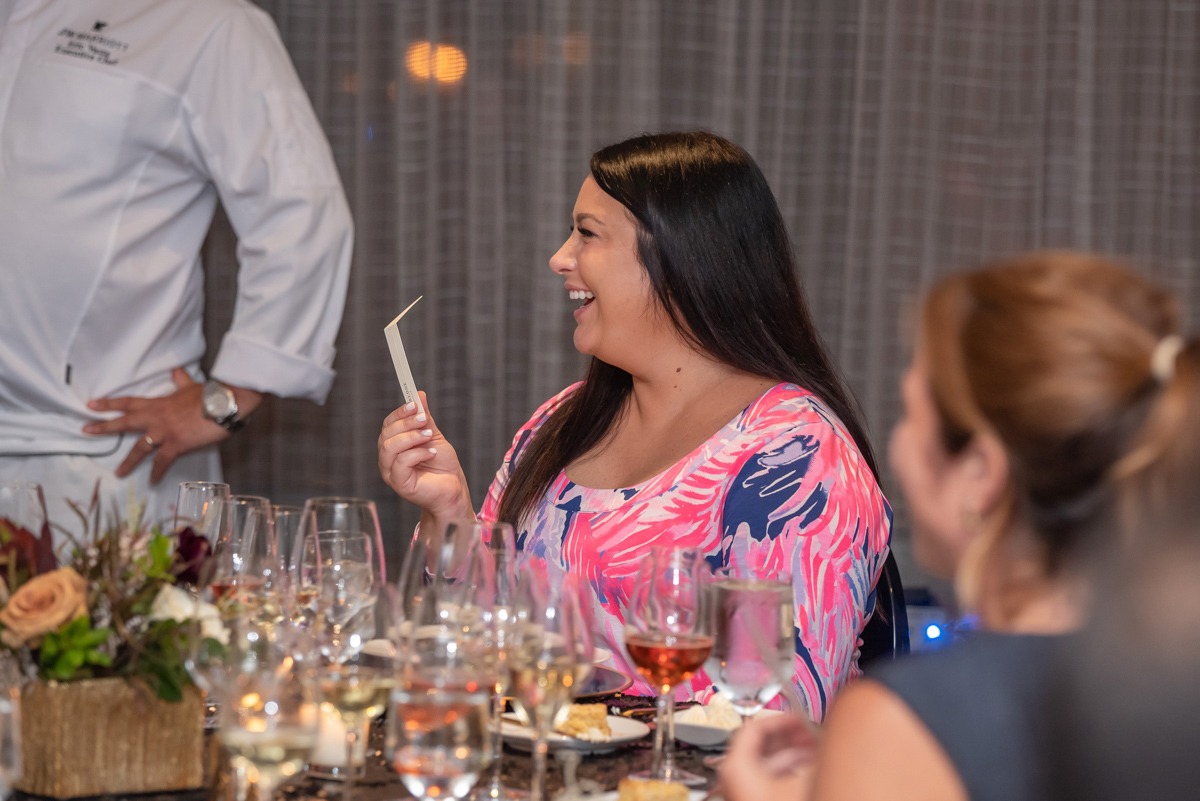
781 488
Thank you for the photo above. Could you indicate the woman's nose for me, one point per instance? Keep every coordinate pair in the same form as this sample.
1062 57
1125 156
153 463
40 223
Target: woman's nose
564 258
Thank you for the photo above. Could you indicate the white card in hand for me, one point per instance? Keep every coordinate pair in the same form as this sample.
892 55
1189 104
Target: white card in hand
400 361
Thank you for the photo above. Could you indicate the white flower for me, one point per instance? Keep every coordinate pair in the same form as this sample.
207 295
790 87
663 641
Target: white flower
174 603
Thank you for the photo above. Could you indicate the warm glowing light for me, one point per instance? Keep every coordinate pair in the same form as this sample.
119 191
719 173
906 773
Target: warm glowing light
443 63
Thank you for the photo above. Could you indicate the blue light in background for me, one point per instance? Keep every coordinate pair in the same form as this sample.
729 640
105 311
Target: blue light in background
933 631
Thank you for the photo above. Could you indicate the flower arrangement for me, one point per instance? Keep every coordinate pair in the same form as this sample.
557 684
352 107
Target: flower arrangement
117 606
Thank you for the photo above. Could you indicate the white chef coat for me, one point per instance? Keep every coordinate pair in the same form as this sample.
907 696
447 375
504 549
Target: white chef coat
121 123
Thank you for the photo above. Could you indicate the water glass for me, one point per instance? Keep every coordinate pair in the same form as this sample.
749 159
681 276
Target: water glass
753 640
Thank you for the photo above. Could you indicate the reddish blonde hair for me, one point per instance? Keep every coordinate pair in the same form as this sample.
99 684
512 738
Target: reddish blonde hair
1051 352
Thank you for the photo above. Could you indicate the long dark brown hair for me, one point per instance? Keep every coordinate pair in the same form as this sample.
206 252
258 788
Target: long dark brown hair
715 247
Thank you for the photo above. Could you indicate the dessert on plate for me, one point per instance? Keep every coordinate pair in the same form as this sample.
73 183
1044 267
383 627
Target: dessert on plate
587 722
650 790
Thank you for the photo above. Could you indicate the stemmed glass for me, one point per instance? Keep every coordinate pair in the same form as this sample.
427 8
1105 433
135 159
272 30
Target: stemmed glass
344 564
246 556
268 717
357 515
753 639
438 722
544 661
193 502
10 739
667 637
490 599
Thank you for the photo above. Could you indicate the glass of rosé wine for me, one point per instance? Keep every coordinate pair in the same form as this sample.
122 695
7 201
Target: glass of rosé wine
668 637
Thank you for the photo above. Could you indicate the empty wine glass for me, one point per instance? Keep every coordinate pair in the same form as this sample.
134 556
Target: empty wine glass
10 739
194 506
356 515
667 637
753 639
345 564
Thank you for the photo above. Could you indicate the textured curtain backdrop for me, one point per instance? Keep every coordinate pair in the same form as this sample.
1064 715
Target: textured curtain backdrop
903 139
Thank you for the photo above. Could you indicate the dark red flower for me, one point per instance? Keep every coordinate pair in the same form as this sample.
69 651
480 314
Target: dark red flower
191 552
19 552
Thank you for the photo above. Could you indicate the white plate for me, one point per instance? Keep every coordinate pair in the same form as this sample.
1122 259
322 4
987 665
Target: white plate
624 730
381 648
693 795
709 736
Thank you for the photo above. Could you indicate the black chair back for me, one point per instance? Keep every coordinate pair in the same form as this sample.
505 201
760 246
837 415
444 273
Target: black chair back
886 634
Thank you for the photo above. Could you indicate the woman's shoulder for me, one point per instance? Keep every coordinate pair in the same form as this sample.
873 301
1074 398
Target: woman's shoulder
789 406
788 416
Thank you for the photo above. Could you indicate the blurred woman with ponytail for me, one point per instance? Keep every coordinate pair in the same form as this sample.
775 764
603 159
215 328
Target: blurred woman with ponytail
1050 403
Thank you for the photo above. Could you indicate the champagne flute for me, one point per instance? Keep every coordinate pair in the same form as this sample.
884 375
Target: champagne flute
667 637
10 739
753 639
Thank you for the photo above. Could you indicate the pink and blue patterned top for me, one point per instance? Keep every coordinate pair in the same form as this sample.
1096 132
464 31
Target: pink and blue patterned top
781 488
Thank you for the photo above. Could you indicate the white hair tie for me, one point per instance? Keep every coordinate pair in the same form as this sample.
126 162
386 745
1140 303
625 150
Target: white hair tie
1162 361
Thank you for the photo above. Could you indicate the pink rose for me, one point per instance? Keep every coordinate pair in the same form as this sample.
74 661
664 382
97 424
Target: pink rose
42 604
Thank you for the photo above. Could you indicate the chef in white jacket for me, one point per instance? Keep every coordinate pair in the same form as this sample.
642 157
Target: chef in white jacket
122 123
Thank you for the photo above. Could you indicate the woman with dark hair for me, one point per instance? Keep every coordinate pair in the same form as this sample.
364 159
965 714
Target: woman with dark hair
711 415
1051 406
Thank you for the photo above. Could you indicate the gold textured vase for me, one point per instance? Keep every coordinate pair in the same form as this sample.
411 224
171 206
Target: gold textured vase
108 736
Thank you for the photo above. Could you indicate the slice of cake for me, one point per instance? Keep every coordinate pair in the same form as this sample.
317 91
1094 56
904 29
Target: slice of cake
650 790
586 722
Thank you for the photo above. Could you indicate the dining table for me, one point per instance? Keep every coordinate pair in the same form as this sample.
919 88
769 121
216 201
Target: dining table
380 782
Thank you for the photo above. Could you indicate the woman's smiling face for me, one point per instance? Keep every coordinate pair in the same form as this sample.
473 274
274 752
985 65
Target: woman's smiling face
619 318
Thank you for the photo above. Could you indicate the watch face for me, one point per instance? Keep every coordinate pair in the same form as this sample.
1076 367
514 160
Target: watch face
218 401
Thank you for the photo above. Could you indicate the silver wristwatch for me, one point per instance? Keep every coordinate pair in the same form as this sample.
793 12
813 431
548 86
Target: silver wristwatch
220 405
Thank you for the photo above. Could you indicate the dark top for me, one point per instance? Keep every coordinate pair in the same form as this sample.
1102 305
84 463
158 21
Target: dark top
985 700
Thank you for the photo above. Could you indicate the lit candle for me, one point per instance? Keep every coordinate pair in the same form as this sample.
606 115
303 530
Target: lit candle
331 742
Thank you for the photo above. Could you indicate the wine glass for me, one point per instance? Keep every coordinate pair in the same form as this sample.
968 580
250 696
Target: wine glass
10 739
667 637
356 688
491 584
194 506
246 556
350 515
268 719
438 721
437 730
543 659
753 639
345 564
